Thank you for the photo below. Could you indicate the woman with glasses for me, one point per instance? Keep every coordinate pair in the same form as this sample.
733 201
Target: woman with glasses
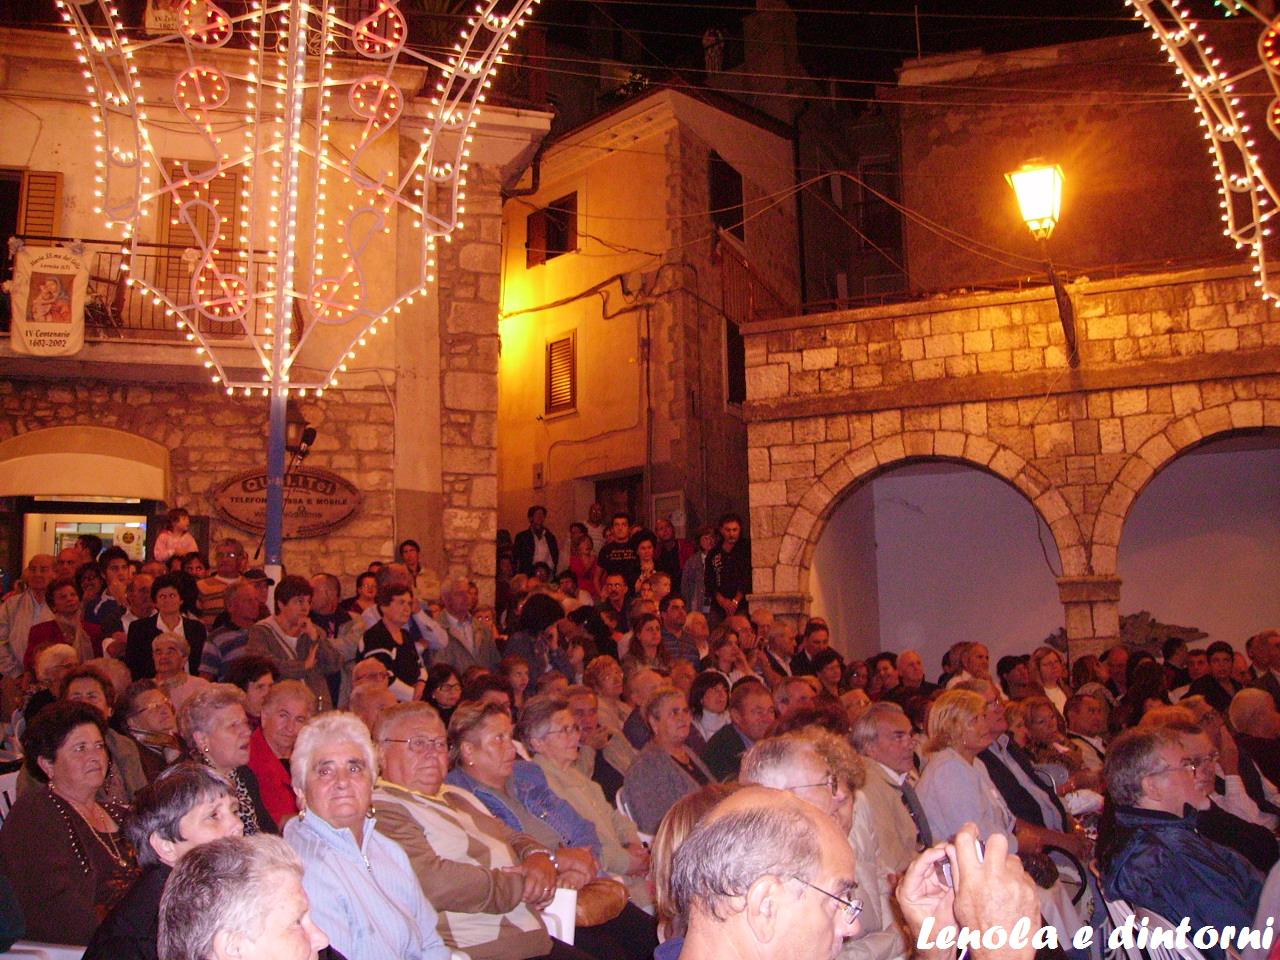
548 729
444 690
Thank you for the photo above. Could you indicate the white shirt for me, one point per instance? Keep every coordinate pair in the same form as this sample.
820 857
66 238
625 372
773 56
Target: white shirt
18 615
542 550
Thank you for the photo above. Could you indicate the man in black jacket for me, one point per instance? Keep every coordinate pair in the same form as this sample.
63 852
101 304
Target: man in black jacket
535 544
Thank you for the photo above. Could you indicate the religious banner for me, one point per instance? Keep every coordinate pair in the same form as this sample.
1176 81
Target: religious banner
315 501
46 297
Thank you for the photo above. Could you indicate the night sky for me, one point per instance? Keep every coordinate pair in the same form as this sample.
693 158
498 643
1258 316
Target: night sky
860 40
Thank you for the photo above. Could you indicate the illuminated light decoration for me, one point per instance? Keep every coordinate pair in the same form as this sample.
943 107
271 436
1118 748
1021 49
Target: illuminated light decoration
1248 199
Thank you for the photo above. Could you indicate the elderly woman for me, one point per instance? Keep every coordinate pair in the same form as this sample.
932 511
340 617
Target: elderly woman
1049 671
67 626
487 881
955 788
363 890
484 762
166 593
666 769
604 675
60 847
52 665
186 806
171 655
214 726
145 715
549 730
288 706
239 898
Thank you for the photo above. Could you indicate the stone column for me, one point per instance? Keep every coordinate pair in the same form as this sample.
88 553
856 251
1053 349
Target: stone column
794 605
1092 606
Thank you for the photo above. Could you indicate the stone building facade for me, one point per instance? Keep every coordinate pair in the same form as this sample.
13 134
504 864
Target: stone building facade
1168 362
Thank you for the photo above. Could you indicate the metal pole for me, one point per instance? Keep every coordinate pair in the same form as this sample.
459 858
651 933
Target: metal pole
282 303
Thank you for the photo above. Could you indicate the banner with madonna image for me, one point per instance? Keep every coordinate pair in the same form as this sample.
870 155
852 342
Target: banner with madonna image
46 296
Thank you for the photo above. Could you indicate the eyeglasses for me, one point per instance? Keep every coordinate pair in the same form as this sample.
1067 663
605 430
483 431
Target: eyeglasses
832 783
852 908
158 705
571 728
422 744
1209 760
450 685
1188 765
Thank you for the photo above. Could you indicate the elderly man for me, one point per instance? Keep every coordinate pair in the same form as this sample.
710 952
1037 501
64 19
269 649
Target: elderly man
470 643
1154 857
1264 650
1086 727
229 642
22 611
751 715
804 764
887 804
779 647
139 606
765 876
792 694
975 663
640 686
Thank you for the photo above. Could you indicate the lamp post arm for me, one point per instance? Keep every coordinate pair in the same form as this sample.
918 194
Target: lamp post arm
1066 309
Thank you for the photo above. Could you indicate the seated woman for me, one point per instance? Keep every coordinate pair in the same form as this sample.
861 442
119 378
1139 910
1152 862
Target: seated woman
186 806
171 655
166 592
61 848
709 701
444 690
52 665
288 706
254 676
548 729
216 731
484 762
67 626
604 675
646 648
363 890
388 641
145 715
515 670
666 769
487 881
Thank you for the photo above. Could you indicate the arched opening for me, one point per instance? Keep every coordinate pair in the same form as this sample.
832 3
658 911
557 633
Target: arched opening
64 481
931 553
1201 544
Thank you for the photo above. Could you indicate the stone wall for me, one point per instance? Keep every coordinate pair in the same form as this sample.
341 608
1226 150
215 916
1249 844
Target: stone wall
212 437
1167 362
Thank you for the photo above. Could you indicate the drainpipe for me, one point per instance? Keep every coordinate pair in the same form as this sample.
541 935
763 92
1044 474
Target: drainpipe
795 168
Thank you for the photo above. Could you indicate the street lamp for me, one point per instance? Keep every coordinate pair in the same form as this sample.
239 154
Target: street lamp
1038 187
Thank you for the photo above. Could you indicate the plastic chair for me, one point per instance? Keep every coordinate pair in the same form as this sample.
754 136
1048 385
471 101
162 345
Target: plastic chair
561 915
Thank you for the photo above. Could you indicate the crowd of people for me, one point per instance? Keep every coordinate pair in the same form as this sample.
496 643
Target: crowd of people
408 774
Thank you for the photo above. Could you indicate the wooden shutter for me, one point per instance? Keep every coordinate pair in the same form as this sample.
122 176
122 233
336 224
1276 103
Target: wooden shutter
41 213
535 241
562 375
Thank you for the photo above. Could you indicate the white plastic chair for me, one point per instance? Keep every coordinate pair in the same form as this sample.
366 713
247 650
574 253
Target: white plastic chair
1119 912
30 950
621 803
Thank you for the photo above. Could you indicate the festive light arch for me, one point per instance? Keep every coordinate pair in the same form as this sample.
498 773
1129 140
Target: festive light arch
303 109
1220 87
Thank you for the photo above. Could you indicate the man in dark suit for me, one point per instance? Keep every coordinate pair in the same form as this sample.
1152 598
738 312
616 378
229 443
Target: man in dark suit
751 714
1264 651
537 544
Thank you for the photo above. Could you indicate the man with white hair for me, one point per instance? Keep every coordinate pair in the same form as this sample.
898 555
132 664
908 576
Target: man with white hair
887 805
22 611
470 642
765 876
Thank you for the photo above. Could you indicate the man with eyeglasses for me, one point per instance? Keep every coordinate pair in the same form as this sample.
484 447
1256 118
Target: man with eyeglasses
801 763
1154 857
765 875
228 565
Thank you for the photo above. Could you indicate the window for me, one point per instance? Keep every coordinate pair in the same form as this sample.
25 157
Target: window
30 203
726 197
562 375
878 220
172 273
551 231
735 363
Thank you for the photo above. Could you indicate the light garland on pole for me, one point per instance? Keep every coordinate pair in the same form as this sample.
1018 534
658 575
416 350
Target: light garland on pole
1247 197
313 131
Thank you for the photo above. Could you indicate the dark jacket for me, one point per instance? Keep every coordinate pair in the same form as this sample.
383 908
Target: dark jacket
522 551
137 648
1213 691
1019 799
130 930
1159 861
723 752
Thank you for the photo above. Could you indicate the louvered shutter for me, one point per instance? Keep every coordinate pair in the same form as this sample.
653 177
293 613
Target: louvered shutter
562 375
41 214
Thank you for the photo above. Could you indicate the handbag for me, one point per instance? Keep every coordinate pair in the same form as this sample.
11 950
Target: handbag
600 901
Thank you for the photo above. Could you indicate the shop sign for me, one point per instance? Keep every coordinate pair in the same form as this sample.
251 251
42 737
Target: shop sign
315 501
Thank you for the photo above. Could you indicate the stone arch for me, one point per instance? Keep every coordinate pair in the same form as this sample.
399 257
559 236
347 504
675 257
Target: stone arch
84 461
1160 449
864 463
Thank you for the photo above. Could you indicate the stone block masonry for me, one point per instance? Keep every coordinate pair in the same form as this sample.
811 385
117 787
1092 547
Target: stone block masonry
1167 362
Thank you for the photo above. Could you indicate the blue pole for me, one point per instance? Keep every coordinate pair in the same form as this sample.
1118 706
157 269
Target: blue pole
275 481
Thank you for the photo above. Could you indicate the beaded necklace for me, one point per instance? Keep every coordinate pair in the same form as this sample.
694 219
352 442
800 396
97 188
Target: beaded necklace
110 844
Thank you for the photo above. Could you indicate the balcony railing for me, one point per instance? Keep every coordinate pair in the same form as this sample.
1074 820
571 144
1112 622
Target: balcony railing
116 310
747 295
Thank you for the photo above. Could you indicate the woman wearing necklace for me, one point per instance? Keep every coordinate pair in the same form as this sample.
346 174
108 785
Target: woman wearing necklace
60 848
217 732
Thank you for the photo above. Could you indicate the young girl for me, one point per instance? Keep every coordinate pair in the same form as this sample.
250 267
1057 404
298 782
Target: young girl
176 537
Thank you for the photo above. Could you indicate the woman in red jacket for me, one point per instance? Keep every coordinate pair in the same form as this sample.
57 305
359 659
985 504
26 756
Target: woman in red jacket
289 705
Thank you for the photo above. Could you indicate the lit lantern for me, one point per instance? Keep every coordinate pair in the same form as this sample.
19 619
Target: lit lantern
1038 187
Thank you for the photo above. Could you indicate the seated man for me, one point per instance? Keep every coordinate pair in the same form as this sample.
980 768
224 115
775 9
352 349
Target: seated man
604 755
751 715
1086 726
1152 855
887 804
764 875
